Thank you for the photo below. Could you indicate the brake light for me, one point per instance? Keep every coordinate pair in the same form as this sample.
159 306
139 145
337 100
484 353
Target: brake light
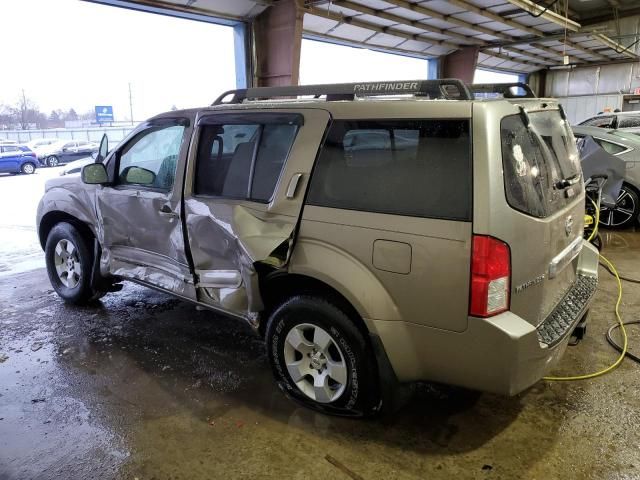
490 276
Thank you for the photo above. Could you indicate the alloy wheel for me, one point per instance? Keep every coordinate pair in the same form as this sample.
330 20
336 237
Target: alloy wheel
52 161
315 363
621 213
67 263
28 168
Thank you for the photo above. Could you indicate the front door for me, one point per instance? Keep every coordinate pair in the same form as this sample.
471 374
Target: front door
9 158
140 213
245 187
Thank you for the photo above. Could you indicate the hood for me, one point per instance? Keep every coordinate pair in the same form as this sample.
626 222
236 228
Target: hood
66 181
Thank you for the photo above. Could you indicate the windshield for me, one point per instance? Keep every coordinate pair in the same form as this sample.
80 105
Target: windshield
537 160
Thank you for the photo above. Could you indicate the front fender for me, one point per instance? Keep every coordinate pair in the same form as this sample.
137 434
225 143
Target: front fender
345 274
63 201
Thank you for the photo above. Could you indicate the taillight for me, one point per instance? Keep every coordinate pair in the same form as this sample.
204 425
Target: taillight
490 276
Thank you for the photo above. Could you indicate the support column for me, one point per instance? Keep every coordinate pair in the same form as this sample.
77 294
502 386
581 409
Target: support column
277 33
433 66
460 64
242 52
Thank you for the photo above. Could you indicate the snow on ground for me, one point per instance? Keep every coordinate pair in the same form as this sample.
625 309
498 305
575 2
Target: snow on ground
19 196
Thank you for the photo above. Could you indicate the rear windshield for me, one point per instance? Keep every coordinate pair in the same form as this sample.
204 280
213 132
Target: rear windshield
536 160
418 168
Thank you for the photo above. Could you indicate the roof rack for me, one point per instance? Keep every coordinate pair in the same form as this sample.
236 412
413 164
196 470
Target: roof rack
507 90
446 88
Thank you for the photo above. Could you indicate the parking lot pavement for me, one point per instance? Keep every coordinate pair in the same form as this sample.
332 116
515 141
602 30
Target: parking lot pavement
19 195
144 386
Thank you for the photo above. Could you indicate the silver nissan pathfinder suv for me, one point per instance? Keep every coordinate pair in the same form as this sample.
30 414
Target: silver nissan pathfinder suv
373 233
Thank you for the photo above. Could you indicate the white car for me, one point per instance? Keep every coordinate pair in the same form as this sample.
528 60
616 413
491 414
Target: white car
40 143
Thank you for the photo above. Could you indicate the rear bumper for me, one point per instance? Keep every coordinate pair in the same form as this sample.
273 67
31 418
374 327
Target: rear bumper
504 354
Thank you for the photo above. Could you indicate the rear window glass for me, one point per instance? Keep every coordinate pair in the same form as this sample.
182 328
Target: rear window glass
630 121
535 160
602 122
418 168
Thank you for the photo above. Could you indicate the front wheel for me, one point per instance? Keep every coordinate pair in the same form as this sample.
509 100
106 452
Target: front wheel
624 213
69 262
320 358
52 161
28 168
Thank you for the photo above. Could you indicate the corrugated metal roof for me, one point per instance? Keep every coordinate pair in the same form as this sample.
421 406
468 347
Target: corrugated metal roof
509 35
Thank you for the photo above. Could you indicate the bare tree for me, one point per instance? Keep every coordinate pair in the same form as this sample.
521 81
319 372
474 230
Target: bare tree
26 112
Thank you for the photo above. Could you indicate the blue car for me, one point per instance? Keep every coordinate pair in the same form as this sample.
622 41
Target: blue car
17 159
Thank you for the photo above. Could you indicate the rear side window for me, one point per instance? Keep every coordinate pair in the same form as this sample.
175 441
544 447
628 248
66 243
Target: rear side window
243 160
419 168
628 121
602 122
535 159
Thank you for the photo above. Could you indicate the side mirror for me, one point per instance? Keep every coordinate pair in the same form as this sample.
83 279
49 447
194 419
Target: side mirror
138 175
104 149
94 174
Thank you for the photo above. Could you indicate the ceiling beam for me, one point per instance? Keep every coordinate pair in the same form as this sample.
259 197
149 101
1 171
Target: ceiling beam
377 28
447 18
357 44
363 9
353 20
323 13
356 7
514 59
486 13
546 13
615 46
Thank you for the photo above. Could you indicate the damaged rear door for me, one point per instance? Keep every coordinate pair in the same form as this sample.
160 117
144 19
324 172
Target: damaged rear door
244 190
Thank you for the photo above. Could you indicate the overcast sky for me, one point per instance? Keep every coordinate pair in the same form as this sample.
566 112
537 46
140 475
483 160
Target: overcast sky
69 53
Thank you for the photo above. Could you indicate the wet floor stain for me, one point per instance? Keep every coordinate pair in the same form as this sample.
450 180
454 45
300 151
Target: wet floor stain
144 386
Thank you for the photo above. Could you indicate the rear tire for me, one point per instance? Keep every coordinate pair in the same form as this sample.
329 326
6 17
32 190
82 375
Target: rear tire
28 168
625 213
69 261
321 359
52 161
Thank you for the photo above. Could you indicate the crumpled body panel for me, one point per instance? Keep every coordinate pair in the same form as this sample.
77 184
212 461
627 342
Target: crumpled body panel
227 238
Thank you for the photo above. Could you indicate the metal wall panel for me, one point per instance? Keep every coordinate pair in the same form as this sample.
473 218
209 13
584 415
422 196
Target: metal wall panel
557 83
585 106
583 81
615 78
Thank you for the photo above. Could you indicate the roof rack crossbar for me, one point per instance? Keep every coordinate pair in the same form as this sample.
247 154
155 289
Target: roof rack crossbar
446 88
507 90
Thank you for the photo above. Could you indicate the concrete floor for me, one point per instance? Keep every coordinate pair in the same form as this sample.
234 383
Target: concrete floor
144 386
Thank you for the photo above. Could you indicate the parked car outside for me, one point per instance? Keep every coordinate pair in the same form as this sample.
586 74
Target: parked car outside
626 146
17 159
40 143
76 166
456 256
65 151
614 121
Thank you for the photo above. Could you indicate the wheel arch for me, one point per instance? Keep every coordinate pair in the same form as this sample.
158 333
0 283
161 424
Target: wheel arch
50 219
317 267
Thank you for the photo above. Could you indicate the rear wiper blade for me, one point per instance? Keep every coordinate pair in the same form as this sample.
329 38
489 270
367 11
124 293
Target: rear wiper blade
567 182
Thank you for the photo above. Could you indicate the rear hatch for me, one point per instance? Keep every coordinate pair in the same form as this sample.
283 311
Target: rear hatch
543 183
